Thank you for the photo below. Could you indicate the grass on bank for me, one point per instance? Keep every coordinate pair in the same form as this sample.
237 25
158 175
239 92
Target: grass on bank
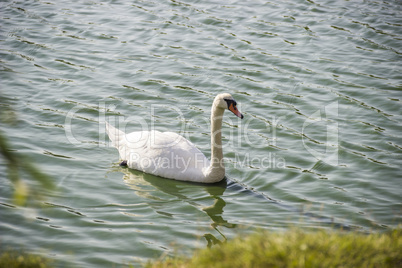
295 248
20 259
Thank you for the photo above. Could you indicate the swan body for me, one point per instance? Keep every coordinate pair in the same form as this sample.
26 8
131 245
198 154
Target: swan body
169 155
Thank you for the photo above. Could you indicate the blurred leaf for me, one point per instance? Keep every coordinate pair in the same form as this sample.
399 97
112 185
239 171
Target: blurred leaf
20 193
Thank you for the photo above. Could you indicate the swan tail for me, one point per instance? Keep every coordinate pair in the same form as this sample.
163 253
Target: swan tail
115 135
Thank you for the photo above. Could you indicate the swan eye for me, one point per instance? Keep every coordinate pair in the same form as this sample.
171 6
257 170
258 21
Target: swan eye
229 101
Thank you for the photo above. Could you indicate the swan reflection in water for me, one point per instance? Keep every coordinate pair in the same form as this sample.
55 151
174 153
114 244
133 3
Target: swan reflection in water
158 190
150 187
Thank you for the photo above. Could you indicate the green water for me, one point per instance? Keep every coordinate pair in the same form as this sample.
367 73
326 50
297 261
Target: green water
318 82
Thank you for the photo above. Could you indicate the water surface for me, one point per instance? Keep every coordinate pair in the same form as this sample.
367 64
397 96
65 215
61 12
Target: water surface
319 84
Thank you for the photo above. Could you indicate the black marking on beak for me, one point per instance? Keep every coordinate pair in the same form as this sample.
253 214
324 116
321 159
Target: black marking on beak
229 101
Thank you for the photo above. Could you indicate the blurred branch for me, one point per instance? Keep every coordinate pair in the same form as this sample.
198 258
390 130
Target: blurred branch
17 165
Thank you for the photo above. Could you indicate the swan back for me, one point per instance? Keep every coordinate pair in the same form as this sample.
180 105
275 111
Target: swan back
164 154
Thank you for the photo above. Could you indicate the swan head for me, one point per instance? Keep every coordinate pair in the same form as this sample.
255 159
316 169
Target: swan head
226 101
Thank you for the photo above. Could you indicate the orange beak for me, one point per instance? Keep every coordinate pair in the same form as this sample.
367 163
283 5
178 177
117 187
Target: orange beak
234 110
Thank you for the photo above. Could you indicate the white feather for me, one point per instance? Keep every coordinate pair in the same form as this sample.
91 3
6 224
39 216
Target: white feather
169 155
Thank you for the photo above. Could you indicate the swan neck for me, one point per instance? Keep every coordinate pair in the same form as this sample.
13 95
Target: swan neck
216 133
217 168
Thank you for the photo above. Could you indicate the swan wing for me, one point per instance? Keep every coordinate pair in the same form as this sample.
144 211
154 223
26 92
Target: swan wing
164 154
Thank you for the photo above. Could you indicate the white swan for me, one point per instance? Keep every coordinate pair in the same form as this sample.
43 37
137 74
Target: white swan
169 155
